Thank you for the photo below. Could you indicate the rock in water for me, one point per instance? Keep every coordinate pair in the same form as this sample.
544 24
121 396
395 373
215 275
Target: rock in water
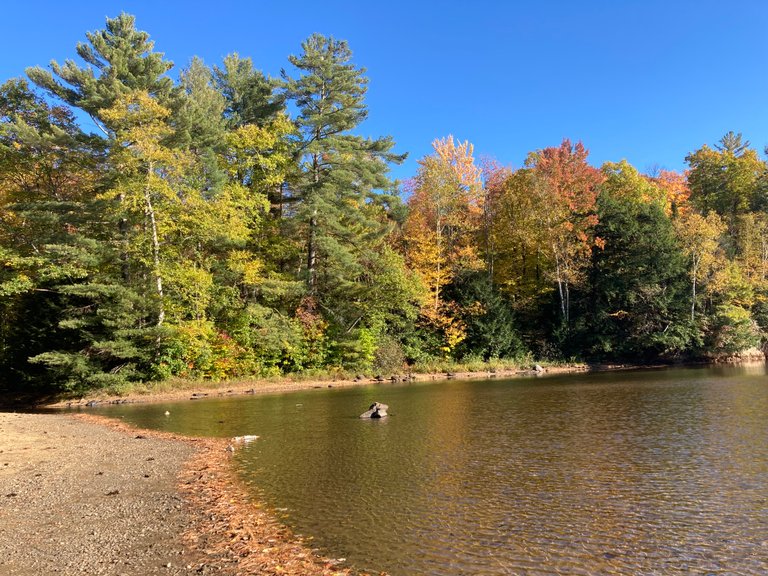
377 410
244 439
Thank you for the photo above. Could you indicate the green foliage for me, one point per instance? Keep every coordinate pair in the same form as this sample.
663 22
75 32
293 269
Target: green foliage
196 349
341 177
249 95
279 343
96 341
488 316
389 356
199 117
636 306
210 231
730 327
119 60
732 330
727 180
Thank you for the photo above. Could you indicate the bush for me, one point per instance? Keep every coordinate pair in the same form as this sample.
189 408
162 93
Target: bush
196 349
389 356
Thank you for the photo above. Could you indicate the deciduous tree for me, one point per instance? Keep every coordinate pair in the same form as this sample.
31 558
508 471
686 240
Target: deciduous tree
700 238
443 227
725 180
565 189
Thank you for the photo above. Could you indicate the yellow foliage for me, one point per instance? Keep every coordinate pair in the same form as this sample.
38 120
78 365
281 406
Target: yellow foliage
191 288
251 269
260 155
445 216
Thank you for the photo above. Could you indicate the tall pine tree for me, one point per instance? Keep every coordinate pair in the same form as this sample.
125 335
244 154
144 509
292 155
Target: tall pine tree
343 176
119 60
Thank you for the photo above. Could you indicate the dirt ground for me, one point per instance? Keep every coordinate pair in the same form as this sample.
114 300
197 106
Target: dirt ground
86 495
78 498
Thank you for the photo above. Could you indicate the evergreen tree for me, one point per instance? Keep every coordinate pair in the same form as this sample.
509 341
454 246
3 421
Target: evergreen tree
638 305
249 95
491 327
342 190
198 121
60 328
119 59
200 116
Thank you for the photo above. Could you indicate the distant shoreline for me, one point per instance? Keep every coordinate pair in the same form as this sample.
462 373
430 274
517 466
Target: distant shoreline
198 390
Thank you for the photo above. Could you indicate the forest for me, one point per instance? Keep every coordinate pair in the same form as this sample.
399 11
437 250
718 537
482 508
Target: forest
228 224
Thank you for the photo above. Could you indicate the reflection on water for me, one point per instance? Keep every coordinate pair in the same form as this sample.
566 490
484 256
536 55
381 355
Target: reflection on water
661 472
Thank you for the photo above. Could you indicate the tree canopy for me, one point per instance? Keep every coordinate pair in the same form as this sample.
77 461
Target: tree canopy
214 222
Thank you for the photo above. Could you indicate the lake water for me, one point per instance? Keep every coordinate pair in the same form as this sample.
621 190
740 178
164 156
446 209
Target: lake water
646 472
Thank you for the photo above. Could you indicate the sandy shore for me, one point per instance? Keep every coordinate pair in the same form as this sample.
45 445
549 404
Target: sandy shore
87 495
82 494
198 390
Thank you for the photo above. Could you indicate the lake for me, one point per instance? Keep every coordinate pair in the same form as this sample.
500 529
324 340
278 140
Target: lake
641 472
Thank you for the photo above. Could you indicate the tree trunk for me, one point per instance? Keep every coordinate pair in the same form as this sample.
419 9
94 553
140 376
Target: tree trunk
312 252
561 284
155 248
439 238
312 240
275 196
693 289
122 227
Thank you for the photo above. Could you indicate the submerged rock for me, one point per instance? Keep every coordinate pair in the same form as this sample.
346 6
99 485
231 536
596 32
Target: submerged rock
376 410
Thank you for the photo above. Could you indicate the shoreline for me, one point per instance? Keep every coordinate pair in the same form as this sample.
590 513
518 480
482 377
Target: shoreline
232 528
197 390
200 389
89 493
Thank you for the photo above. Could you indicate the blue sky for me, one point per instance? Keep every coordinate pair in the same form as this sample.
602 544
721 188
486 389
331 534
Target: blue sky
649 81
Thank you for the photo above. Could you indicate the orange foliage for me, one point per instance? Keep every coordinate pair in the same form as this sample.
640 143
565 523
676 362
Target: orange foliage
566 188
675 186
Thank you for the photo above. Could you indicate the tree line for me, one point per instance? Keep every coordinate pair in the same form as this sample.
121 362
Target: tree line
228 224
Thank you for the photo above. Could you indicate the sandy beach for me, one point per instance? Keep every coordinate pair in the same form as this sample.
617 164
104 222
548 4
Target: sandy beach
83 494
87 495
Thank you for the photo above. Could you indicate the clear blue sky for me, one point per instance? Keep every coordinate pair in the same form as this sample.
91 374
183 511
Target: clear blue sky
644 80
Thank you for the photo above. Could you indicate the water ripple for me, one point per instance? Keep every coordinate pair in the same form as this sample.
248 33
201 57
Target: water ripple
608 474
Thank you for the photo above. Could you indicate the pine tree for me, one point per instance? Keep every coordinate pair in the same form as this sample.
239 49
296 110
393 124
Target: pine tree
63 322
198 121
249 95
120 59
342 191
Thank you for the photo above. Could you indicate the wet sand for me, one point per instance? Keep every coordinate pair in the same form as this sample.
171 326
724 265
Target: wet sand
87 495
